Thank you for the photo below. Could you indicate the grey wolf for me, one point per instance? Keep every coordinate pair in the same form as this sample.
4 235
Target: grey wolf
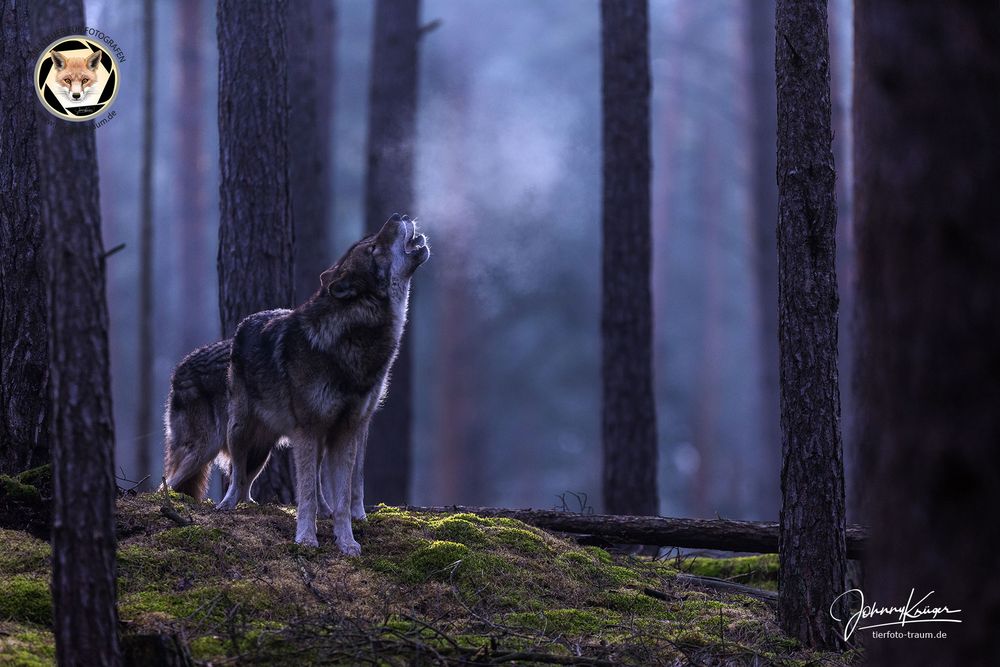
75 75
311 378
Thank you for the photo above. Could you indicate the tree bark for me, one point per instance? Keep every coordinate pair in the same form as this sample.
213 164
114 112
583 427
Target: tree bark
723 534
628 410
812 475
927 159
255 216
311 31
24 441
392 106
144 414
764 206
82 426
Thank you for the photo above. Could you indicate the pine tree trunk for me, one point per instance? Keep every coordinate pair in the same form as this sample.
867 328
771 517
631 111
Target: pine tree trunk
812 550
144 414
311 31
192 175
764 194
82 426
255 217
392 110
628 410
24 441
927 159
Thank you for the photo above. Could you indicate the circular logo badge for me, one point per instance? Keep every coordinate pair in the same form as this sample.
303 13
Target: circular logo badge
76 79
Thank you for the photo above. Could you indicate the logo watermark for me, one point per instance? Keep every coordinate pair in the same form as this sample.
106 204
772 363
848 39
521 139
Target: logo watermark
875 615
77 78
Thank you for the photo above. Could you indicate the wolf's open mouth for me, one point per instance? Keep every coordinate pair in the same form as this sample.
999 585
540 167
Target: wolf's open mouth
416 241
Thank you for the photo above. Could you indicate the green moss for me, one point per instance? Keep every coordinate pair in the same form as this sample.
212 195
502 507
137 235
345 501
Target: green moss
21 553
26 599
631 602
570 622
208 647
760 571
600 554
458 529
437 560
25 646
192 538
521 539
19 492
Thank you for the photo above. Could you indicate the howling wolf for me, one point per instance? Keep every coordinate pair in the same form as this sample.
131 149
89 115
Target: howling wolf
312 376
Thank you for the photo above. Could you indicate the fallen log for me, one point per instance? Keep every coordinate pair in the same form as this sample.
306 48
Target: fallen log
722 534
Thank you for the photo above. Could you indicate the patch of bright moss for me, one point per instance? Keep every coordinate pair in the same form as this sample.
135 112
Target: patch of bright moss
26 646
436 560
760 571
458 529
192 538
521 539
26 599
629 601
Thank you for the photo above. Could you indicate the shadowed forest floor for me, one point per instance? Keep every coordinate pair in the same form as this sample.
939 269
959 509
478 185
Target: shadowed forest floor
428 589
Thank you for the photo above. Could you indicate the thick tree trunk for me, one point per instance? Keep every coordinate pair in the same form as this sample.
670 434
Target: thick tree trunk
754 536
927 158
764 203
812 475
85 620
255 216
192 175
24 441
144 415
311 35
628 410
392 107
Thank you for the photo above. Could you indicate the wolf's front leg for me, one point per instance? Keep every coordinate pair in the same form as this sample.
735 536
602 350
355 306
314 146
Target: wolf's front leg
340 469
358 476
306 452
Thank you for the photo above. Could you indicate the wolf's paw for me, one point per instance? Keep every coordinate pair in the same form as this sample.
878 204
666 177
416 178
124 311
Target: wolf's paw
349 547
307 540
358 514
225 505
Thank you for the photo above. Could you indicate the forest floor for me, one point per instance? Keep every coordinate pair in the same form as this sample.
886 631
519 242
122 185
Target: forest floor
431 589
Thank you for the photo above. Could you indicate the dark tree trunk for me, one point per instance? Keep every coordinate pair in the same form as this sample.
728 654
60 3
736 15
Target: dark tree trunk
812 548
764 203
311 31
82 427
24 441
255 217
392 111
144 414
628 410
927 158
192 175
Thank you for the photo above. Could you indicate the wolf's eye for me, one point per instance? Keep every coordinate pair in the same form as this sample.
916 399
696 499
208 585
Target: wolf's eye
84 80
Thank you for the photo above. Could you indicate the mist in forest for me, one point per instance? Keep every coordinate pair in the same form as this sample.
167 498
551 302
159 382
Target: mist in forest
505 317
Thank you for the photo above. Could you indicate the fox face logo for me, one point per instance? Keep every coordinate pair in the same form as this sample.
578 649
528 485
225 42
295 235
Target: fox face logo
75 75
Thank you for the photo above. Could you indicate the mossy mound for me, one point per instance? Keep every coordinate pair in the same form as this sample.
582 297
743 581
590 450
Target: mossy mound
430 588
26 501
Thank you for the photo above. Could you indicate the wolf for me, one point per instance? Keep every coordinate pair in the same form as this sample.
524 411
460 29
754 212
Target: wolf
311 377
75 75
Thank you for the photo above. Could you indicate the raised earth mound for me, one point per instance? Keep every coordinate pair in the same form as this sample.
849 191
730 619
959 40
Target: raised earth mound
232 588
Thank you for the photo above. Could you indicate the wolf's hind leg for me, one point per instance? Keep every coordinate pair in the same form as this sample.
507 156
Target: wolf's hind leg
249 444
192 443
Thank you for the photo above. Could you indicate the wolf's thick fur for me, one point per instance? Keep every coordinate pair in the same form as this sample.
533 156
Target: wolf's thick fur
195 418
314 376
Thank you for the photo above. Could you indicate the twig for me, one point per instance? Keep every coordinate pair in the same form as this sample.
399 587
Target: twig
167 509
118 248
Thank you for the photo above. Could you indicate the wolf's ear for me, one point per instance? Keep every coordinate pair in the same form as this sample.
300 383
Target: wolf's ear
93 60
57 59
338 286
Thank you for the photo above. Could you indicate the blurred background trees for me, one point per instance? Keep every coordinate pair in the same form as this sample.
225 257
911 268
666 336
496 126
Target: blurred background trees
504 325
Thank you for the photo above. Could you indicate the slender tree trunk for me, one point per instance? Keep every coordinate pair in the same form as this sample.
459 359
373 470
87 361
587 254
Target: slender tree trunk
144 415
628 411
764 198
927 159
392 108
82 425
192 175
255 217
24 440
312 34
812 550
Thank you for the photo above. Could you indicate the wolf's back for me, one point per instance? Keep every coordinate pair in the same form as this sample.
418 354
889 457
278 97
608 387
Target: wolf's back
195 418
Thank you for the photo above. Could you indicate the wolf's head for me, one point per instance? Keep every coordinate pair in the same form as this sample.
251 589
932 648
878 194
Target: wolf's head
75 75
379 266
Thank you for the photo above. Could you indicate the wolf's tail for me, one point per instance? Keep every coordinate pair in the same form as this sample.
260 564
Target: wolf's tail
195 419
